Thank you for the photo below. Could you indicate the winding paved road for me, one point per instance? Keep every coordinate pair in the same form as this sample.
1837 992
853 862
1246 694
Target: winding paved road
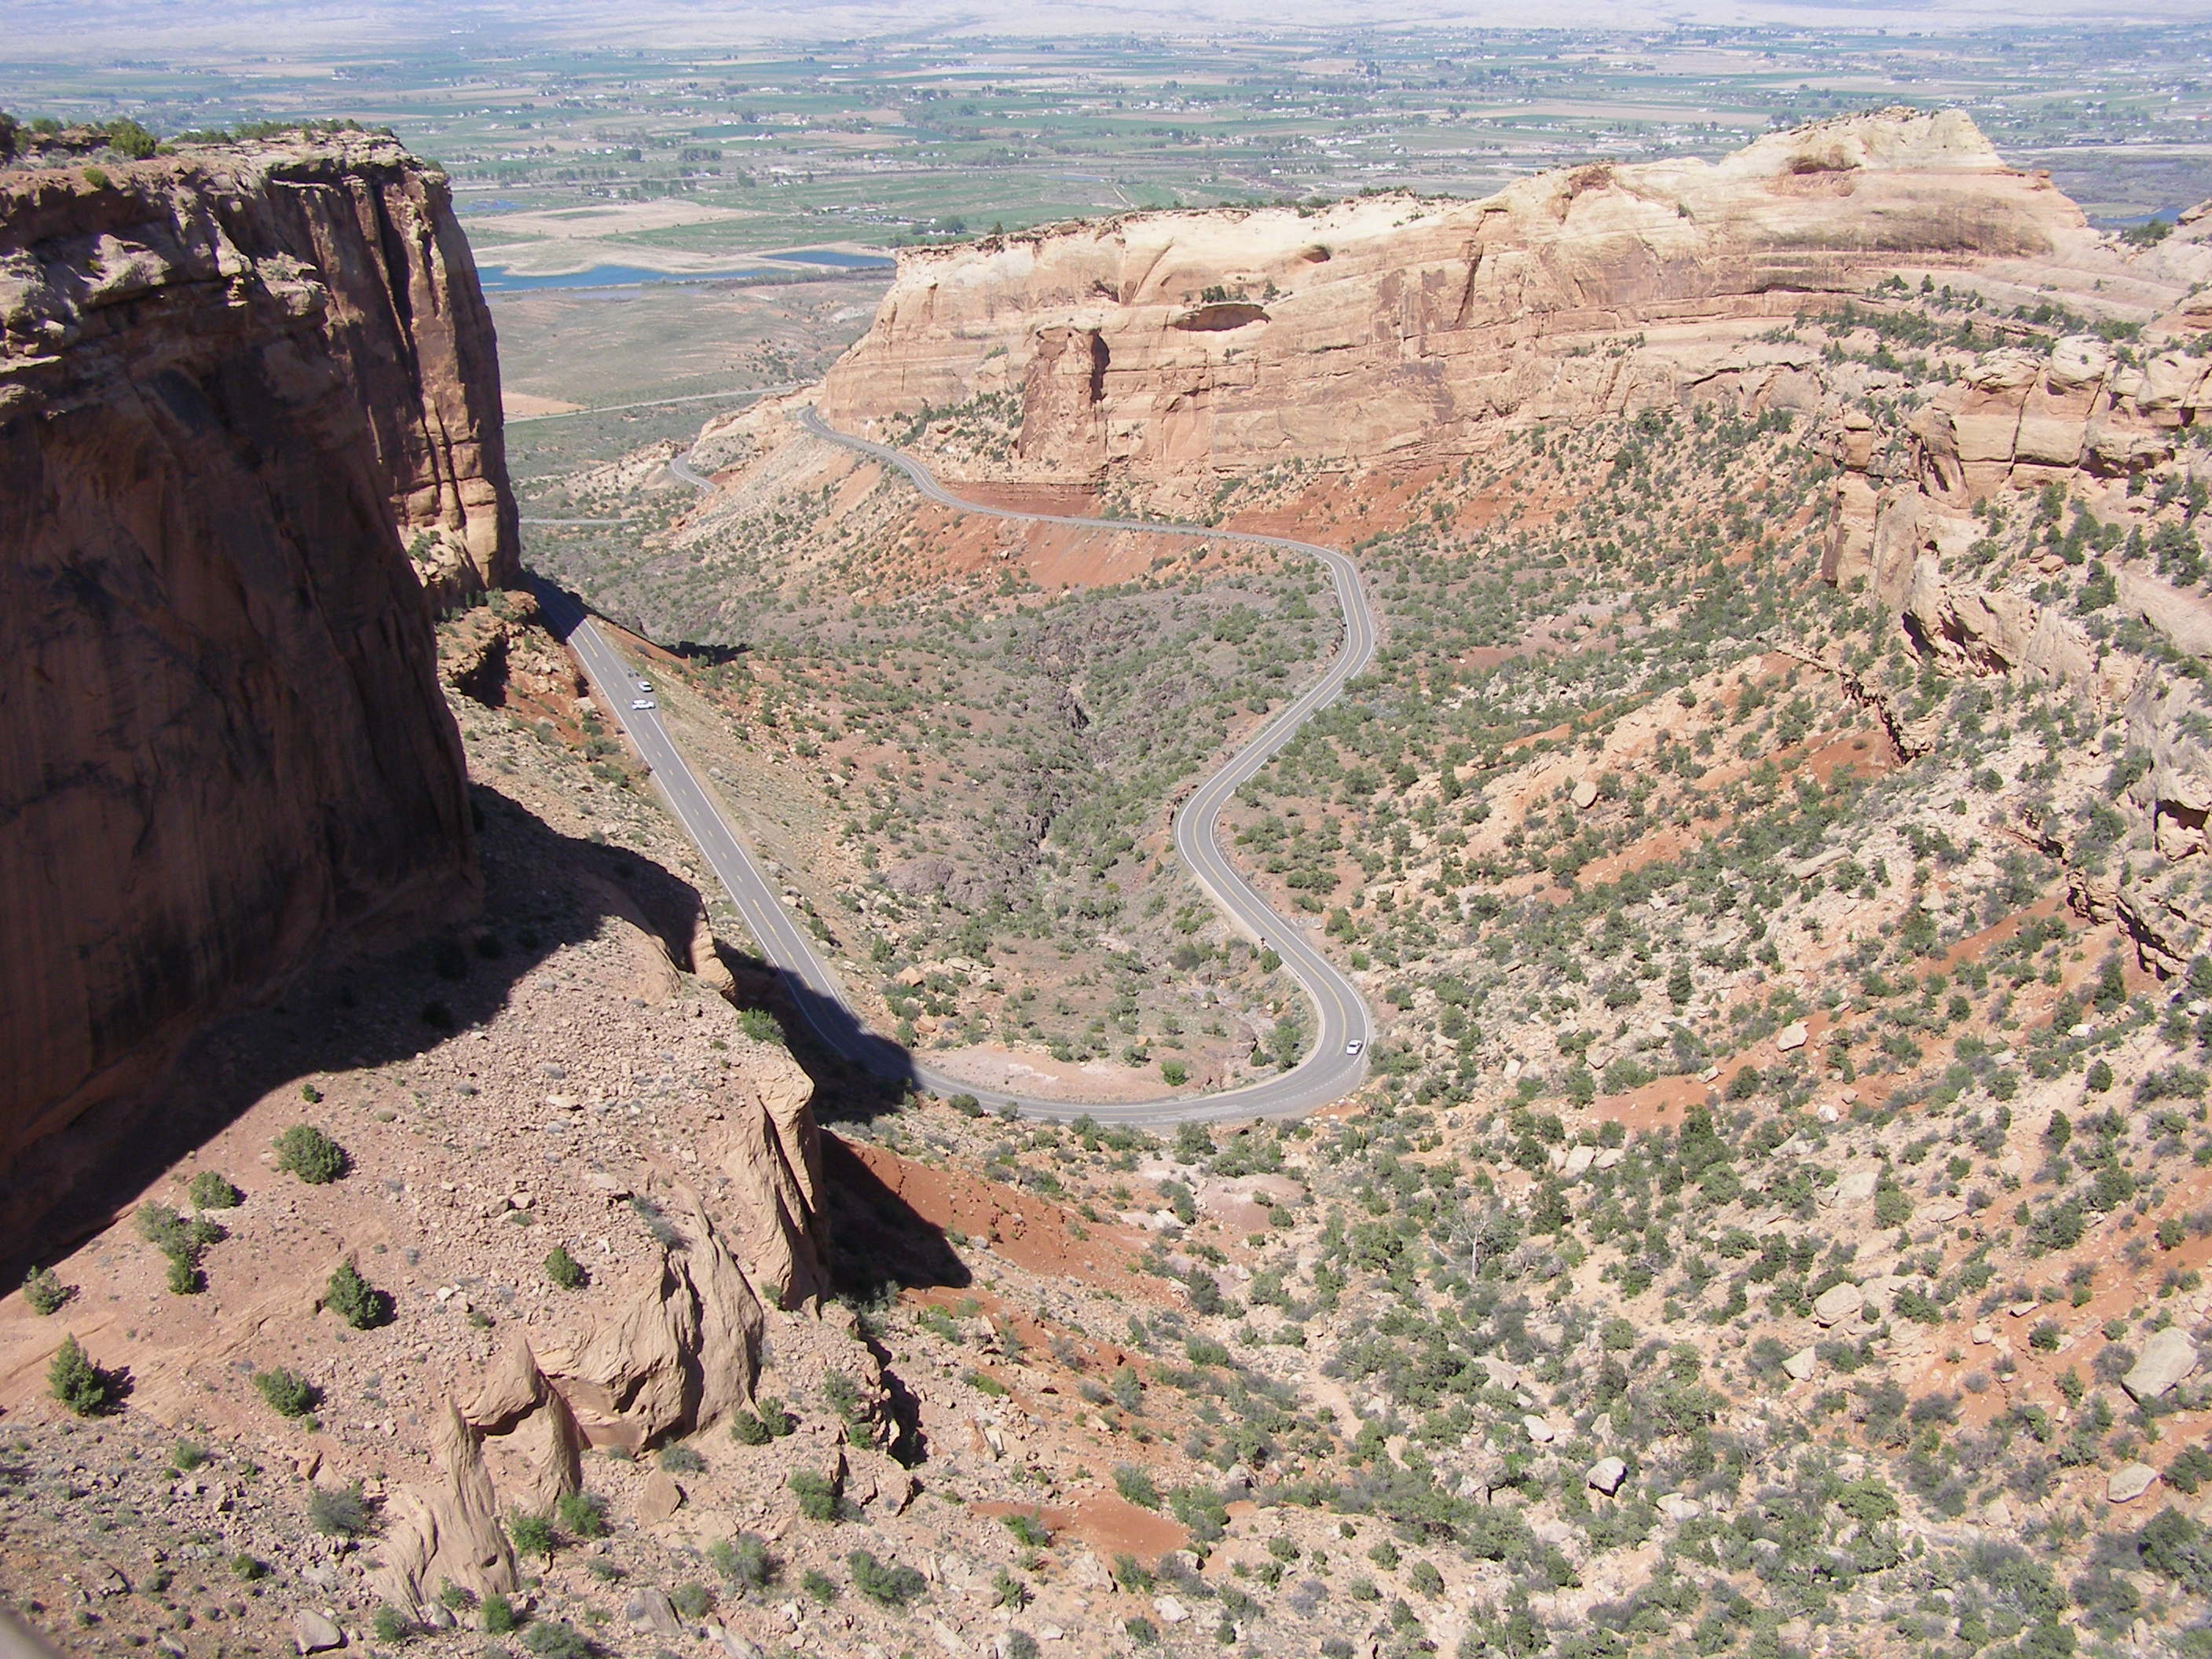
1326 1074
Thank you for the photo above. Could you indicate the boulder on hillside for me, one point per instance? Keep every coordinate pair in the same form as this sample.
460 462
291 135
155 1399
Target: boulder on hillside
1839 1302
2128 1482
1855 1188
2167 1359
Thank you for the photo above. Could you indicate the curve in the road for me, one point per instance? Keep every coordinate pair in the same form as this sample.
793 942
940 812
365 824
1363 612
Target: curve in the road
1339 1060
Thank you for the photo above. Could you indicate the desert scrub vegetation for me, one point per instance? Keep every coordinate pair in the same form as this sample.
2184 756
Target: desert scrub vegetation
817 1496
563 1270
355 1300
43 1291
80 1385
210 1190
306 1152
999 774
183 1241
883 1583
288 1393
1789 1093
743 1561
341 1511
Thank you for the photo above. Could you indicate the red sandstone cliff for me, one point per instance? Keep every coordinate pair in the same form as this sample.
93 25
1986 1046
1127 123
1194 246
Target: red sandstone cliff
1393 330
230 383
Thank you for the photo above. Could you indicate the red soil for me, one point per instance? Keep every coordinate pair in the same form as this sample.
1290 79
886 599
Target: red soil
1033 1233
1106 1522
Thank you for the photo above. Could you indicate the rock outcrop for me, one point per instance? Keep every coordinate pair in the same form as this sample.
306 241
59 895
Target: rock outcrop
522 1427
680 1354
771 1150
2020 418
232 383
1396 329
449 1532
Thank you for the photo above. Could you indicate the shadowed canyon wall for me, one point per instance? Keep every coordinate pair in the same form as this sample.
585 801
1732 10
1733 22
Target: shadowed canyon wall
235 385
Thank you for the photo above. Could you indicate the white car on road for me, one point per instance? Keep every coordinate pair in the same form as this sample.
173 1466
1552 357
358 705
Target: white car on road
643 703
1354 1046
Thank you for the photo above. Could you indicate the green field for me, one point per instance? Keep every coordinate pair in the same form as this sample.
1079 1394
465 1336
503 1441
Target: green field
890 141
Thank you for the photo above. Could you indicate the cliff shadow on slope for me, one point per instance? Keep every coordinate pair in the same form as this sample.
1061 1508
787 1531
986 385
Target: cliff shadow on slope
350 1012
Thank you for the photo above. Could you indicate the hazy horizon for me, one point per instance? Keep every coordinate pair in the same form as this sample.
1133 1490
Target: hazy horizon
94 30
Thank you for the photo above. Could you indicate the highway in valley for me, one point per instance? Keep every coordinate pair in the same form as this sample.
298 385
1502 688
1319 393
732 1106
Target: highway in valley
1338 1060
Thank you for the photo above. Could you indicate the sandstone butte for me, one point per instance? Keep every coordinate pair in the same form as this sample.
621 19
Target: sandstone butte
1403 331
236 384
1164 351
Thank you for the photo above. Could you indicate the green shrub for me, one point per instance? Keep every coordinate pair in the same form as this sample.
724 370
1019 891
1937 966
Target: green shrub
843 1395
183 1241
760 1026
773 1417
582 1513
129 139
500 1616
531 1534
820 1585
681 1459
2191 1469
79 1384
306 1152
747 1430
692 1599
1030 1530
1174 1073
1893 1206
886 1585
1869 1501
743 1560
2176 1548
558 1639
96 176
1136 1485
289 1394
817 1495
44 1291
211 1190
189 1455
564 1270
353 1299
251 1568
391 1624
341 1511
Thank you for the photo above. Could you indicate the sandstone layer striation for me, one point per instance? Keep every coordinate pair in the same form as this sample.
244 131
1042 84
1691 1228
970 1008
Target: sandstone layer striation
232 383
1400 331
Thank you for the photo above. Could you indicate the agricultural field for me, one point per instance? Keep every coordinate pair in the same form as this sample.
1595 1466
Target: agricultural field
702 161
